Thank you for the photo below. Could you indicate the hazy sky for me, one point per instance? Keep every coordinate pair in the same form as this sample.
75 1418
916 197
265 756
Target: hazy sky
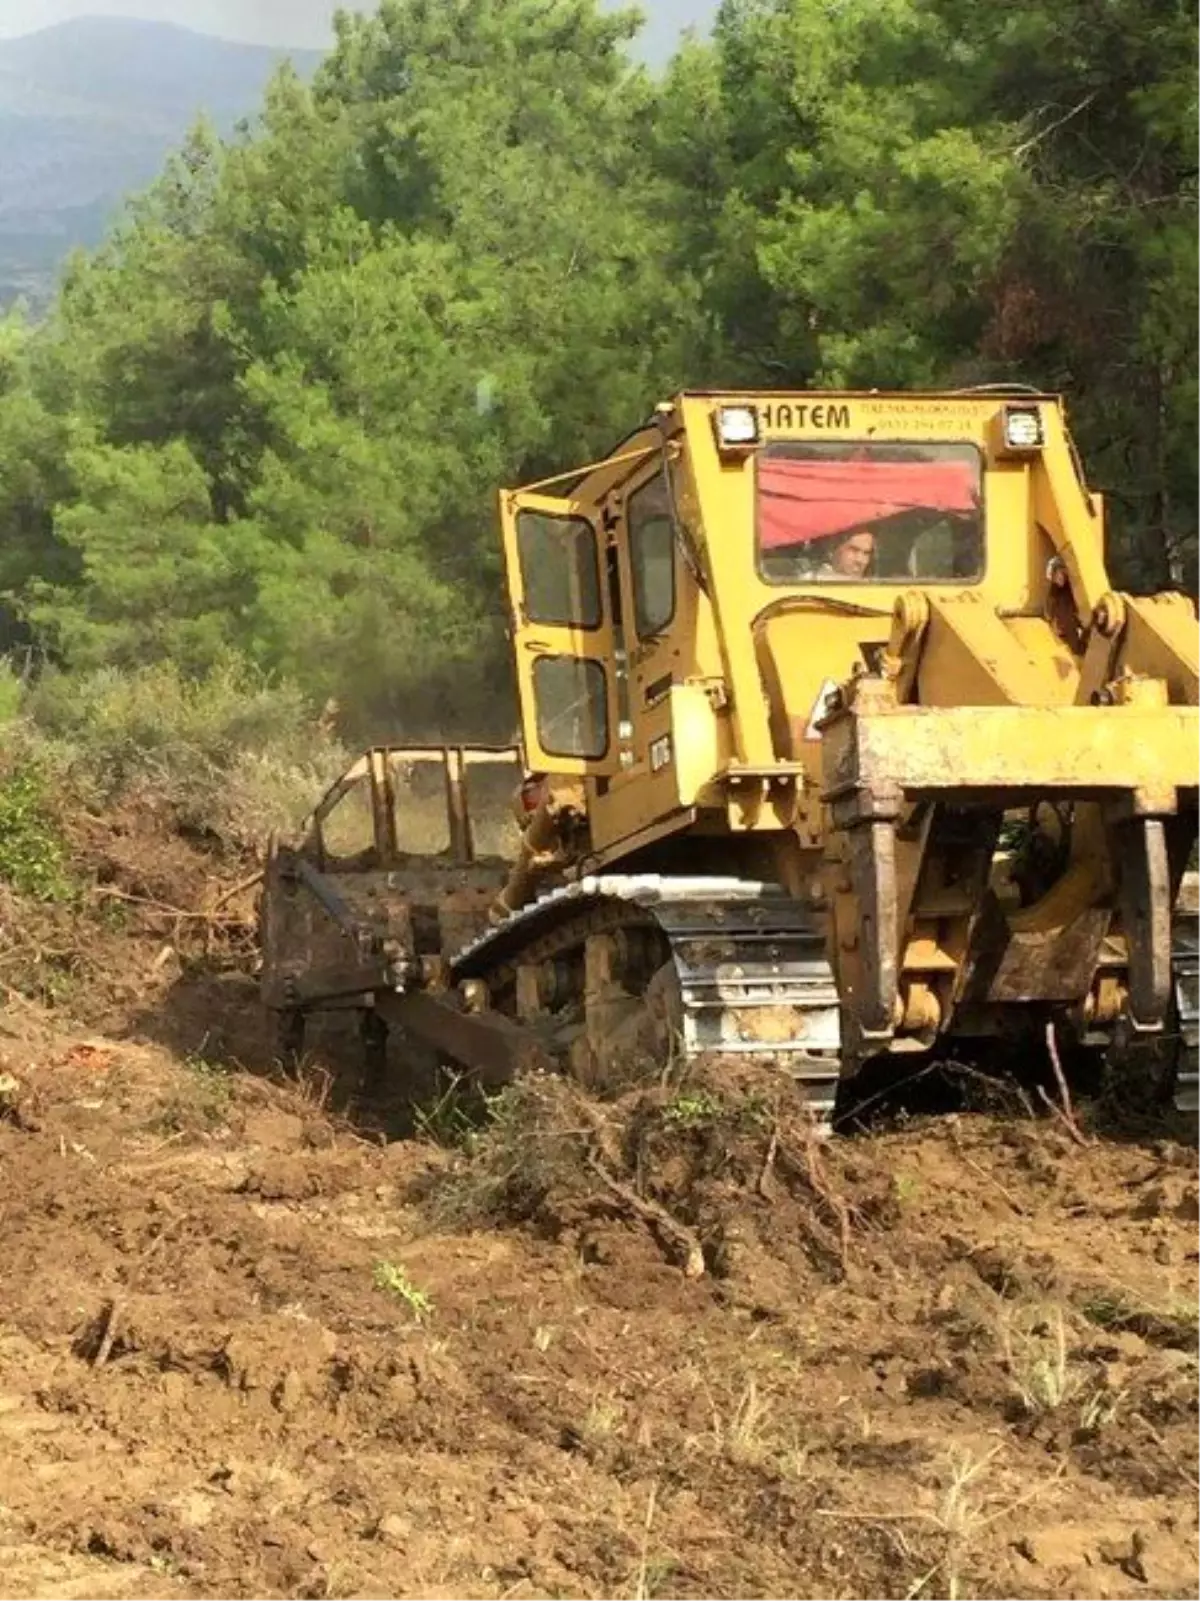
283 22
292 22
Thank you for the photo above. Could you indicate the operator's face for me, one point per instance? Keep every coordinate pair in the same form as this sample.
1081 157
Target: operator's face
854 556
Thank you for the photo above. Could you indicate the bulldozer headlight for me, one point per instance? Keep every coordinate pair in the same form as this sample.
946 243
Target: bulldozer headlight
1023 428
737 427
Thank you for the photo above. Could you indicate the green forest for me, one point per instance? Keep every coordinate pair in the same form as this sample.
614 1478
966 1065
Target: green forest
264 423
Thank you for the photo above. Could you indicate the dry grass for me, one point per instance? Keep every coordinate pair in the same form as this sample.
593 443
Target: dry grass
745 1436
955 1519
602 1420
1036 1351
650 1574
966 1504
959 1516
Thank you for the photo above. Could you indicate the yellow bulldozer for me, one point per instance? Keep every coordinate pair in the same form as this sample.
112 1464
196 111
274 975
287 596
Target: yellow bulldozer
837 745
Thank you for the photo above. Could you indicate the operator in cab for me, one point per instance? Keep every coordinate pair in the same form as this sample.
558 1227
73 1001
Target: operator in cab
847 558
851 557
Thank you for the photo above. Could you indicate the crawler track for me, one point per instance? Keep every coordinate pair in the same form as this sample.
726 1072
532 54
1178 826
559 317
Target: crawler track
749 963
750 966
1185 964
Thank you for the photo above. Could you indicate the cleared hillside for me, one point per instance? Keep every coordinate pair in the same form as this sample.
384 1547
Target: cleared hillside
255 1344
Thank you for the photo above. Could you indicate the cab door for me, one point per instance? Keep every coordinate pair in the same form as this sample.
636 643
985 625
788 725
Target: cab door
650 588
562 631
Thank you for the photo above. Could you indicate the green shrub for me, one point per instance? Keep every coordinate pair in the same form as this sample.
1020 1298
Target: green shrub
12 693
33 857
233 752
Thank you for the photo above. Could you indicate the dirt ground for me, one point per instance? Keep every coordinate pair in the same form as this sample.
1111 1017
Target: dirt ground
663 1346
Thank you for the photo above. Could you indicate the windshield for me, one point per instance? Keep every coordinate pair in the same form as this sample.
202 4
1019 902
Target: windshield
881 513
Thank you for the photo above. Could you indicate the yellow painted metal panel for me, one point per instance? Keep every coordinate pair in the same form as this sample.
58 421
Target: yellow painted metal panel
1080 748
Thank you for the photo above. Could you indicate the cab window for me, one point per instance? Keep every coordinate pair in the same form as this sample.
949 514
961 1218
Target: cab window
571 694
652 557
840 512
560 572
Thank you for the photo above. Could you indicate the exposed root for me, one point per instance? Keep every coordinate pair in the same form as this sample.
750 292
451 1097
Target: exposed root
657 1216
765 1185
828 1224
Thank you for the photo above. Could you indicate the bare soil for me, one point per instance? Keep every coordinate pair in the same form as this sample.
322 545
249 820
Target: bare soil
666 1345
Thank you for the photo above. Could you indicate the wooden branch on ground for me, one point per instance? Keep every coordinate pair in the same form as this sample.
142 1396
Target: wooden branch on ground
108 1334
1063 1109
237 889
107 892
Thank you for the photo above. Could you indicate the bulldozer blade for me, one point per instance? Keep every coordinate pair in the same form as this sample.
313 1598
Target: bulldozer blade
490 1046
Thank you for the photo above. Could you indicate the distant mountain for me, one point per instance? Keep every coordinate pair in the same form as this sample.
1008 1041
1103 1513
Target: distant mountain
88 111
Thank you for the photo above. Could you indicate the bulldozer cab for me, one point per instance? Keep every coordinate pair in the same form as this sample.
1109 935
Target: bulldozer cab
687 605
